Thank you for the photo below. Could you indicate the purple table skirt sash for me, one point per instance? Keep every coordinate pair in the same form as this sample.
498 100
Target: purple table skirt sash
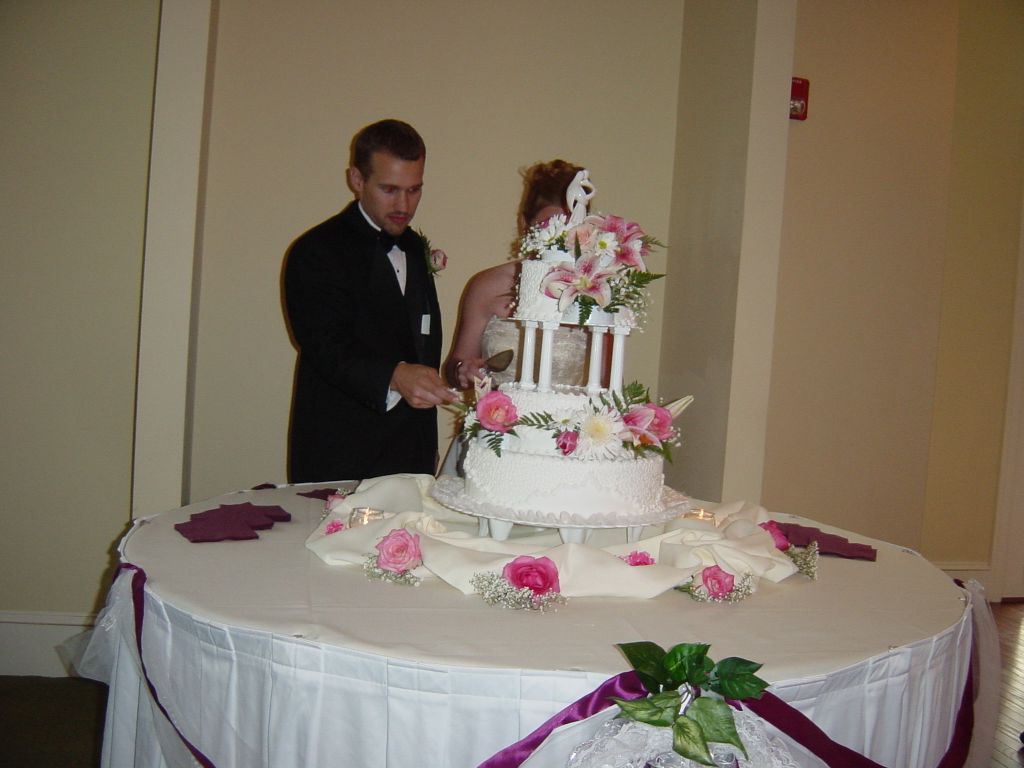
627 685
139 604
769 707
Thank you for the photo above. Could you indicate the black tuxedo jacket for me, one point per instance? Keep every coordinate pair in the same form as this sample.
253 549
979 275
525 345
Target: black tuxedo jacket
352 326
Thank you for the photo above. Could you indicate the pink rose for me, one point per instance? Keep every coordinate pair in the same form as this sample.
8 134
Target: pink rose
717 582
637 557
399 551
496 412
333 527
566 442
539 574
438 260
778 537
649 424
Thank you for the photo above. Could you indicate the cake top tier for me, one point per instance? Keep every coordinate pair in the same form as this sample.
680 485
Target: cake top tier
591 268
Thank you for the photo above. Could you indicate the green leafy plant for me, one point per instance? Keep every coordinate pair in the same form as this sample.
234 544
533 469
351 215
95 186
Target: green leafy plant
687 692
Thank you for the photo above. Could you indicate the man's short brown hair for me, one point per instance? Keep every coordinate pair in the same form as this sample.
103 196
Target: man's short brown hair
391 136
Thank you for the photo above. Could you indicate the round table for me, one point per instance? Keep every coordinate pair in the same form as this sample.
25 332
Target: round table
260 654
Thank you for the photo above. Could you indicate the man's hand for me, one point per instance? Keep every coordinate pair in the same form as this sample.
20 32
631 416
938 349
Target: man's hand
420 385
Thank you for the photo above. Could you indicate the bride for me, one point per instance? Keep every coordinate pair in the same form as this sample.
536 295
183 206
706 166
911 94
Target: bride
485 327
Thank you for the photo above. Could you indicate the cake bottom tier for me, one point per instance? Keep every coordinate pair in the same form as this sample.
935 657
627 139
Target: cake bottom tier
614 490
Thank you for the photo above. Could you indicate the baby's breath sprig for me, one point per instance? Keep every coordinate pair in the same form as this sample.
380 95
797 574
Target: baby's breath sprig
698 592
373 571
495 589
805 560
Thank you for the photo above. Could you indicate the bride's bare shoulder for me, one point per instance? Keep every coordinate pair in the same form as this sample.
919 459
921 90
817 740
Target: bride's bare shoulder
493 280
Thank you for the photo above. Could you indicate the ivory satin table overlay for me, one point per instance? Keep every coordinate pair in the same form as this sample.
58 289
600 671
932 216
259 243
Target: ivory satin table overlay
262 654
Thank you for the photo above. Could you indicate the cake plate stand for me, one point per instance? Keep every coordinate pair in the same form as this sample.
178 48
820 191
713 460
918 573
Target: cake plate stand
496 521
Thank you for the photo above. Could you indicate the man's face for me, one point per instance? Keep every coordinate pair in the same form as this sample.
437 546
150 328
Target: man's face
391 192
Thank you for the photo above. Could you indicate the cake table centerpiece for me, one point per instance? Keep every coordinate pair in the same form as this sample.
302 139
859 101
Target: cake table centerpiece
573 458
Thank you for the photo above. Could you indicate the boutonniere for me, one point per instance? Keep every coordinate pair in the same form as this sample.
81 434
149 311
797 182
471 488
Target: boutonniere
436 259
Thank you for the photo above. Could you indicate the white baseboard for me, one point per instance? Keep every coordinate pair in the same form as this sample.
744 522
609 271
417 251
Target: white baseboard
29 641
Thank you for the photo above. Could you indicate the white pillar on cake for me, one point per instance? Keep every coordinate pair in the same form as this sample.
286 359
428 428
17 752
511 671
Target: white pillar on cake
547 351
619 334
596 362
529 344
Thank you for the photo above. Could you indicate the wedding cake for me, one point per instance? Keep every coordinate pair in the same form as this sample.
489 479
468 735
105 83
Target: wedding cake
544 453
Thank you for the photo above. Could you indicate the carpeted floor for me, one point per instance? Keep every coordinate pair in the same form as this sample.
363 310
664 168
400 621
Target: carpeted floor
51 722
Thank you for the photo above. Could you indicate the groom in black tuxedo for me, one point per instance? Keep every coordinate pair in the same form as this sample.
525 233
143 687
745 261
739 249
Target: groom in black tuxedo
363 312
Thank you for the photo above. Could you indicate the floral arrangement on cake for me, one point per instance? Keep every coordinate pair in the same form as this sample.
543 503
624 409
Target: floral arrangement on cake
607 269
615 425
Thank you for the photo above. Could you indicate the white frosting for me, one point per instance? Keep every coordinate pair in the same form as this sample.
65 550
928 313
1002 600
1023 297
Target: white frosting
559 397
553 484
533 304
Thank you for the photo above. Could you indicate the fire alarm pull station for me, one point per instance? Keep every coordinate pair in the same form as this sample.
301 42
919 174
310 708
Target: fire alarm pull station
798 98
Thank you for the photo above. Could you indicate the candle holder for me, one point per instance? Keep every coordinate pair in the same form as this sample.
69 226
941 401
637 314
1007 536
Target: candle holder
701 514
363 515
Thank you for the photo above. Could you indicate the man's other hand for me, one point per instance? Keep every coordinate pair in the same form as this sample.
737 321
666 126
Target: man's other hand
420 385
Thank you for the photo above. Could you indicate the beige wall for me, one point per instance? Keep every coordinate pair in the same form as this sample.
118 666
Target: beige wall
77 80
860 275
897 242
718 319
491 88
896 274
983 243
710 175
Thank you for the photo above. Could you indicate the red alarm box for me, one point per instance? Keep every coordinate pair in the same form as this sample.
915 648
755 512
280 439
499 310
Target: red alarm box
798 95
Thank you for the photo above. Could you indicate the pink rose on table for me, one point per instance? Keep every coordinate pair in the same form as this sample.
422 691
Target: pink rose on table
717 582
649 424
399 551
496 412
539 574
438 260
778 537
637 557
566 442
333 527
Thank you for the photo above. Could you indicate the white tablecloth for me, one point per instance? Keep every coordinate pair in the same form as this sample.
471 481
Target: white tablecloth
263 655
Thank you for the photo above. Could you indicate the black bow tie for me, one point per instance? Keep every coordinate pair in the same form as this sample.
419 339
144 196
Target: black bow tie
386 242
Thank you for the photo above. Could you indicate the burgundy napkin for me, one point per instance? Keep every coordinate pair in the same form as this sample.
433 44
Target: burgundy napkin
319 493
828 543
263 486
231 522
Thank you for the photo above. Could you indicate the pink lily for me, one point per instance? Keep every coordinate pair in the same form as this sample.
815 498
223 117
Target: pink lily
632 246
585 278
649 424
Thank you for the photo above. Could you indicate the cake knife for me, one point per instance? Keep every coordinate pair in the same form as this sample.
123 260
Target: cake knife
499 362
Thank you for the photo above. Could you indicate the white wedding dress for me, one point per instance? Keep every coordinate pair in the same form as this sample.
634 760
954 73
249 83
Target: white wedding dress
569 359
501 334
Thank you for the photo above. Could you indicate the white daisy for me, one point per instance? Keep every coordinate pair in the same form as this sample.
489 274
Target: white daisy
601 435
